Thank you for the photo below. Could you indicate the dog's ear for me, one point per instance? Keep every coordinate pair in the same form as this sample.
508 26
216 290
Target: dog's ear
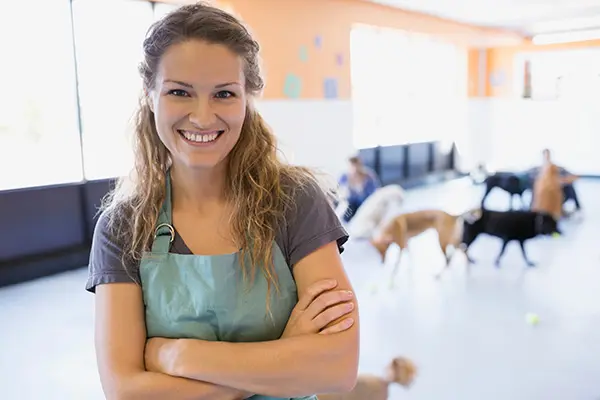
402 371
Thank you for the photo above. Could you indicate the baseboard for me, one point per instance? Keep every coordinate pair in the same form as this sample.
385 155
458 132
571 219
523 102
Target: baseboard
26 269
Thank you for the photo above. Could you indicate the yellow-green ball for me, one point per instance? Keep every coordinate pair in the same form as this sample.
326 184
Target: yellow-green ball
532 319
556 235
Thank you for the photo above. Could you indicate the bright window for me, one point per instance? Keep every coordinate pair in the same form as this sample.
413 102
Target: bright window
406 87
563 74
109 84
39 137
562 113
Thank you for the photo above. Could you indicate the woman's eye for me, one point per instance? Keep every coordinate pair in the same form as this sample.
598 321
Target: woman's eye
178 93
224 94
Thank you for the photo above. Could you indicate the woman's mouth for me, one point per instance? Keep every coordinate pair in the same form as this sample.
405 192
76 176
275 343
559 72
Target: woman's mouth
199 138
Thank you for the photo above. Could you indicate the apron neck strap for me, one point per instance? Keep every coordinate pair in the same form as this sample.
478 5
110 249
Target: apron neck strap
164 233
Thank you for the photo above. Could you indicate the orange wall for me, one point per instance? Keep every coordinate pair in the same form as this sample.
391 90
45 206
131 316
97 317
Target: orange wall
501 59
283 26
473 74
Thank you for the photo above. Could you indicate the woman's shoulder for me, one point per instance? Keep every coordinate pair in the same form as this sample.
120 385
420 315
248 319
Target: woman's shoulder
109 262
112 225
311 221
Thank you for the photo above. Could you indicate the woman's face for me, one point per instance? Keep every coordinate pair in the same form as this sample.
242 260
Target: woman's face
199 102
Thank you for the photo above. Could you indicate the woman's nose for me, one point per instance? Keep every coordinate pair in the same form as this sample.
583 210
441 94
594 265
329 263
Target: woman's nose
203 115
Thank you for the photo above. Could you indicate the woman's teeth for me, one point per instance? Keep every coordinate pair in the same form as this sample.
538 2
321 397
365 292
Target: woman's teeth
200 137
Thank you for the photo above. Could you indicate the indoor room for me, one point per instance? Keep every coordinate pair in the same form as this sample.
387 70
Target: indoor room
357 199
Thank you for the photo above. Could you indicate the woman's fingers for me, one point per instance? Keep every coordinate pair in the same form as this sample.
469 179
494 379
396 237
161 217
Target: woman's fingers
313 291
332 314
327 300
339 327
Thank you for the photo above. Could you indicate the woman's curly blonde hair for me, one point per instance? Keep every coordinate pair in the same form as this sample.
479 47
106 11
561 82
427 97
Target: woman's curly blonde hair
258 183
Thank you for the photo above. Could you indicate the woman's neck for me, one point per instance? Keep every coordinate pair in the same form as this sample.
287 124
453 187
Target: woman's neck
198 189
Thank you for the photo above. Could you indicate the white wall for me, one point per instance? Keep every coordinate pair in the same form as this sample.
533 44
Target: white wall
314 133
510 133
503 133
475 147
319 133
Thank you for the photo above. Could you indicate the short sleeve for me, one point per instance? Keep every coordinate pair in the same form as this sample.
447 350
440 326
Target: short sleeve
106 257
311 224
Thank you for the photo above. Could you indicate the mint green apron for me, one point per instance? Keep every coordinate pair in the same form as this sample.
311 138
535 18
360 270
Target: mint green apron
205 297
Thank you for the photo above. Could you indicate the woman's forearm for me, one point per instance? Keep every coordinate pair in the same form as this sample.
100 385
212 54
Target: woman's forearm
156 386
297 366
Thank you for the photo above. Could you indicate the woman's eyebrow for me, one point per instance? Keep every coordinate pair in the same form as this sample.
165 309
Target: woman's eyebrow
178 83
220 85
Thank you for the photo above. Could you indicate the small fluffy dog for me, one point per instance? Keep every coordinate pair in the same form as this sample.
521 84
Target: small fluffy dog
371 213
518 226
406 226
547 192
369 387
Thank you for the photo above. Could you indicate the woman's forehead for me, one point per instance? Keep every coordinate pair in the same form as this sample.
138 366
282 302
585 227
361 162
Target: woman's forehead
199 63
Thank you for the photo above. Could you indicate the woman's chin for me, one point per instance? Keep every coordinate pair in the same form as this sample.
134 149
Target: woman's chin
200 161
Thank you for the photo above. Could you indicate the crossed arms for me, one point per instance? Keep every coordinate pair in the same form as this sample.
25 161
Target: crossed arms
318 352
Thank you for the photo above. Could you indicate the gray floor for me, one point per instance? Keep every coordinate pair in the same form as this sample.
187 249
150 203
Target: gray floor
467 331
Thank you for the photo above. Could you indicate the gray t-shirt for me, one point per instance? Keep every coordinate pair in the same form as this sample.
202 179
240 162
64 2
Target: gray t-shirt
311 224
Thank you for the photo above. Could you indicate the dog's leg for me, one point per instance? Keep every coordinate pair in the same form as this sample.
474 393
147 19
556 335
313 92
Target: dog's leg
488 189
464 246
396 267
497 263
512 201
469 259
448 255
523 204
465 249
529 263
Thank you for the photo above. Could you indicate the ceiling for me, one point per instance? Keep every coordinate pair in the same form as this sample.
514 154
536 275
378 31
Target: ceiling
527 17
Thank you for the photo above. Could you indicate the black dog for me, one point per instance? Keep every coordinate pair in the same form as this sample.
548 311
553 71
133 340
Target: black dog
508 226
512 183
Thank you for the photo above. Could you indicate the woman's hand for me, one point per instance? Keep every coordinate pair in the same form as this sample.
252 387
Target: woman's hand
318 307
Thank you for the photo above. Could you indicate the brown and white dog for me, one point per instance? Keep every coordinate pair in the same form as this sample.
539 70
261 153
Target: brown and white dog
406 226
374 210
400 370
547 191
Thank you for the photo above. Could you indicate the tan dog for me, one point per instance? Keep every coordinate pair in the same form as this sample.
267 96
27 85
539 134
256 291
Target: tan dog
406 226
369 387
547 192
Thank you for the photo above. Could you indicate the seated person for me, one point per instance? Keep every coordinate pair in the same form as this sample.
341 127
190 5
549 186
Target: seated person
567 179
357 184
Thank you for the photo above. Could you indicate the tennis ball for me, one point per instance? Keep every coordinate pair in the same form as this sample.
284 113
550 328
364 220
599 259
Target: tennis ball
532 319
556 235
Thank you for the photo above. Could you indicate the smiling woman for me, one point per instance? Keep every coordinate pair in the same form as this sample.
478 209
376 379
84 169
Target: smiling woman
222 260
